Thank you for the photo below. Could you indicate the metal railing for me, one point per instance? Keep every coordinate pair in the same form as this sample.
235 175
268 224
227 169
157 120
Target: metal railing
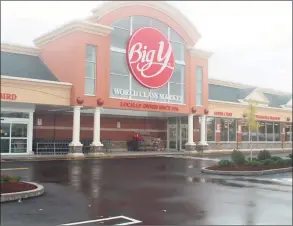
61 147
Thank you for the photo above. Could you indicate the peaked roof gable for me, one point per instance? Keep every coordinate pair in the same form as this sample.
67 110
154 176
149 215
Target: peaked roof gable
258 96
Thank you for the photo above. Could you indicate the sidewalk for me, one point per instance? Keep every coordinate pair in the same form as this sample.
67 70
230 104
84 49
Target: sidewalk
142 154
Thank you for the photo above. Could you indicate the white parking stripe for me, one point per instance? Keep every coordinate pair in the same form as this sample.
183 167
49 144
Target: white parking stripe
191 157
132 221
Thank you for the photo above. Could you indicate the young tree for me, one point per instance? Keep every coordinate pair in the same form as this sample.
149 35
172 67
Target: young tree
249 116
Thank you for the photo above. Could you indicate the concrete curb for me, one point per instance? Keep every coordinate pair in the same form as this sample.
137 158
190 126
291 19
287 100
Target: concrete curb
246 173
23 194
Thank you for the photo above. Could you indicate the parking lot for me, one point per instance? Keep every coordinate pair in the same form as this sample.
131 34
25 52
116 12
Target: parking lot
145 191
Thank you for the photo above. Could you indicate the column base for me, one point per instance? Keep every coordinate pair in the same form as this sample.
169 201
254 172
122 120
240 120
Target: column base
202 147
190 147
75 151
96 151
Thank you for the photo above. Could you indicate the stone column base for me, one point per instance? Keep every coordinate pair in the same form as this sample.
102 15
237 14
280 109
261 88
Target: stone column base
189 147
96 151
75 151
202 147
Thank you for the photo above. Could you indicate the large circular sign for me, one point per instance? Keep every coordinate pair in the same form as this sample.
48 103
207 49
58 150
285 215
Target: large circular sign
150 57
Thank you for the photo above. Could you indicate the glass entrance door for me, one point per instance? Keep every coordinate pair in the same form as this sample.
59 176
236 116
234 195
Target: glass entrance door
172 135
183 137
13 136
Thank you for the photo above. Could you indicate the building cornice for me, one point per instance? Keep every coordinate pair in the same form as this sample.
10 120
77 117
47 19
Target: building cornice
19 49
35 80
77 25
199 53
246 104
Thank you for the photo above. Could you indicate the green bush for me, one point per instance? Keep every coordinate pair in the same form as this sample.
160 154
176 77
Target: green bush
11 179
268 162
288 162
262 155
254 163
290 156
276 158
237 157
225 162
281 162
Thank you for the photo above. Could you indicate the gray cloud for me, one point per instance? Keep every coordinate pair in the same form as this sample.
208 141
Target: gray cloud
251 41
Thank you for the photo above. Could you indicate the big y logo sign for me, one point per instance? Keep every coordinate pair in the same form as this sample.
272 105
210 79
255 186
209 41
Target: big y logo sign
150 57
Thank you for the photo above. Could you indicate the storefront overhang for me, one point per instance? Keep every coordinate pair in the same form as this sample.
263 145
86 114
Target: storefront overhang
236 110
34 91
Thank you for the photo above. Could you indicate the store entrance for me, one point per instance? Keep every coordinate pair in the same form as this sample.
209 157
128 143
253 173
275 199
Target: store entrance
14 135
177 133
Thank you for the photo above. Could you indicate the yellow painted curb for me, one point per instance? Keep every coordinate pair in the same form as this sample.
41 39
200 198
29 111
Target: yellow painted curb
9 169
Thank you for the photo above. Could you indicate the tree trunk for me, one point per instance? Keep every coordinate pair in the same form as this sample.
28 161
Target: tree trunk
250 143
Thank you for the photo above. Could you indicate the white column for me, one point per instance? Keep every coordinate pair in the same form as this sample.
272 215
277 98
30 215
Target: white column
190 130
76 127
30 131
97 127
203 131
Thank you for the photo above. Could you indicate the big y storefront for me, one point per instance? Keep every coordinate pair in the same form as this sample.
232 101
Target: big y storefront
130 67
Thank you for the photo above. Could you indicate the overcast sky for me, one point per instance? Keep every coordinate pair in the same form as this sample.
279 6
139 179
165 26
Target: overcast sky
251 41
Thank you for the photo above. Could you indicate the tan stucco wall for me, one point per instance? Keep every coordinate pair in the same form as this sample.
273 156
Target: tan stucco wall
237 111
36 92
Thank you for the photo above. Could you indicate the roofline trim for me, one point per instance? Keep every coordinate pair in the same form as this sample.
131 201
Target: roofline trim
70 27
35 80
19 49
199 53
161 6
244 86
246 104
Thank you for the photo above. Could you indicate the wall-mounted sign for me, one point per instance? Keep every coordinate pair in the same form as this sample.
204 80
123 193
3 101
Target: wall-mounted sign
150 57
39 121
264 117
150 94
8 96
118 125
148 106
220 113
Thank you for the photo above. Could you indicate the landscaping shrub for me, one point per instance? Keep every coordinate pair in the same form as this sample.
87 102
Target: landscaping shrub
11 179
288 162
237 157
290 156
225 162
262 155
254 163
276 158
281 162
269 162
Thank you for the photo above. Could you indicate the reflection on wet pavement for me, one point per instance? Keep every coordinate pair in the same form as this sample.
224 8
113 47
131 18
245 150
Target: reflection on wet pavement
156 191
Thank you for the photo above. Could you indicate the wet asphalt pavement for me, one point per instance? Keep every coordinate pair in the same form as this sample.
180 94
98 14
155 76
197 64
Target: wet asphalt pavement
153 191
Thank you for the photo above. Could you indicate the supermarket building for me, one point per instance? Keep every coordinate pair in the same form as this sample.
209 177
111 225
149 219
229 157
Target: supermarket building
132 67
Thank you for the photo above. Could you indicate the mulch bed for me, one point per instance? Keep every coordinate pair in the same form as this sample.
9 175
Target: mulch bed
9 187
246 167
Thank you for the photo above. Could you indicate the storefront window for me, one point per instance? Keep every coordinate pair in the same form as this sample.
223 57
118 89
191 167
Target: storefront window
288 132
8 114
270 131
277 132
244 133
224 129
90 70
232 130
210 129
199 85
261 131
119 38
